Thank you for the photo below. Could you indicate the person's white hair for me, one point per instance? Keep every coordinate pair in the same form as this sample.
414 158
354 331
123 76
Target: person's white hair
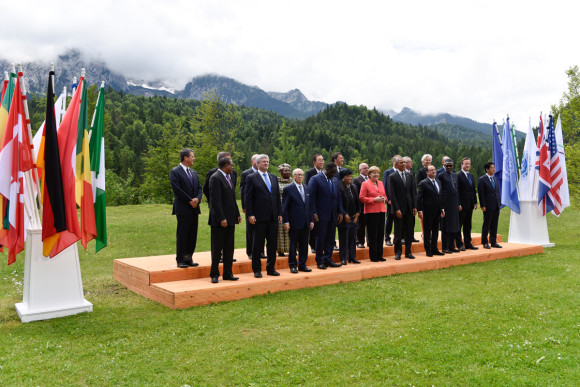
425 156
260 157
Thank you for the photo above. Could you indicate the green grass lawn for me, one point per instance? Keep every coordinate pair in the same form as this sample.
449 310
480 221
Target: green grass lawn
506 322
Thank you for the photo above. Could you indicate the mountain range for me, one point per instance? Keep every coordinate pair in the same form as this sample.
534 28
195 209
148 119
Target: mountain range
291 104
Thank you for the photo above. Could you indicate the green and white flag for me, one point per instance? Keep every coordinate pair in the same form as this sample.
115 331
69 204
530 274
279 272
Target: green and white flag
97 152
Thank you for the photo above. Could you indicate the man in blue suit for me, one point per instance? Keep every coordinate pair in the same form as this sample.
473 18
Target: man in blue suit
264 211
490 204
187 193
390 217
297 220
327 212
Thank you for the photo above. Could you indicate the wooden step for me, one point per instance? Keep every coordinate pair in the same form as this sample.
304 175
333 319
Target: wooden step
136 273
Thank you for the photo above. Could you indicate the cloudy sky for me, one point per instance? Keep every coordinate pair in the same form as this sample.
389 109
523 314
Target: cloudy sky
480 59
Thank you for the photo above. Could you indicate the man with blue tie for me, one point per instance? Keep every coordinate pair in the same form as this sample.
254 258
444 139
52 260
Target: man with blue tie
297 220
187 193
430 208
467 201
327 212
490 203
390 216
264 211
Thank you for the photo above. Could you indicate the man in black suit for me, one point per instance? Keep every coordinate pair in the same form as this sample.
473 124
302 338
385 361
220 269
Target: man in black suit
186 197
430 207
264 211
409 169
363 176
234 175
318 167
390 216
297 220
249 226
490 203
223 217
450 226
467 200
338 159
403 197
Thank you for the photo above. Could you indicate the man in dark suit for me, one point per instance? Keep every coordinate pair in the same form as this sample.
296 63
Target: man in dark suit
403 197
223 217
450 226
390 216
442 169
186 197
297 220
318 167
234 175
467 200
338 159
327 212
490 203
409 169
249 226
363 169
264 211
430 207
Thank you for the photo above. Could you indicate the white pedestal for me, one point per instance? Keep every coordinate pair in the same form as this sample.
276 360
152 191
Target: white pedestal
53 287
529 226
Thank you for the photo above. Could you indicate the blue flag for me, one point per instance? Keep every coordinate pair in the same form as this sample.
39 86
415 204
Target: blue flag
509 182
497 155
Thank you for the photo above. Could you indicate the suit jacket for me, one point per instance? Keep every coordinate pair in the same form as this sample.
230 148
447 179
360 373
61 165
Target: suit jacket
295 210
450 223
243 183
386 175
344 197
467 195
184 191
358 181
428 199
488 196
403 196
309 174
324 202
259 201
223 203
233 177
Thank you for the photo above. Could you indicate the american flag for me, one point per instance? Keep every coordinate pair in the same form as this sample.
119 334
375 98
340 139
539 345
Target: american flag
555 170
550 168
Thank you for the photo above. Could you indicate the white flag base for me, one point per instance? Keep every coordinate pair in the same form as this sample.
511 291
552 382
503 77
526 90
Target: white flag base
53 287
529 226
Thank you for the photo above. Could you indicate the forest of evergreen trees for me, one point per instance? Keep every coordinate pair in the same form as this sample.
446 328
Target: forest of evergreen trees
143 136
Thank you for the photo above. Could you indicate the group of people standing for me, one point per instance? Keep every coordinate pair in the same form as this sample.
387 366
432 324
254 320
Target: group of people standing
298 209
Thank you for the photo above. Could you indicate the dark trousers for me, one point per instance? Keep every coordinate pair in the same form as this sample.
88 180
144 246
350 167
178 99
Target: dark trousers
490 221
389 225
375 231
325 241
449 240
249 237
186 237
465 217
403 230
361 230
298 241
430 233
267 231
347 240
222 239
312 237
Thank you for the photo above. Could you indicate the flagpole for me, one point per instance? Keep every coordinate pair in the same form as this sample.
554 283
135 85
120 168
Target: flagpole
31 178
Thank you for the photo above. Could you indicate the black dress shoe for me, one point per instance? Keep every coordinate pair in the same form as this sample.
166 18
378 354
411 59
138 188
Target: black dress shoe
232 278
472 247
374 260
192 264
437 252
429 254
233 260
496 246
454 250
263 256
486 246
281 254
304 269
381 259
415 240
462 248
335 248
214 280
353 260
182 265
447 251
257 275
398 257
274 273
313 251
293 270
333 264
321 266
221 260
360 245
410 256
343 262
250 257
389 243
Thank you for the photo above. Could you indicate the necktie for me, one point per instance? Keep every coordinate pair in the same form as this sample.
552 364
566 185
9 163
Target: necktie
301 192
330 186
403 177
267 179
229 181
435 185
189 175
492 183
468 178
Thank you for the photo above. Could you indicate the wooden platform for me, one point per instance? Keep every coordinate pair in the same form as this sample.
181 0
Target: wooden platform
159 279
